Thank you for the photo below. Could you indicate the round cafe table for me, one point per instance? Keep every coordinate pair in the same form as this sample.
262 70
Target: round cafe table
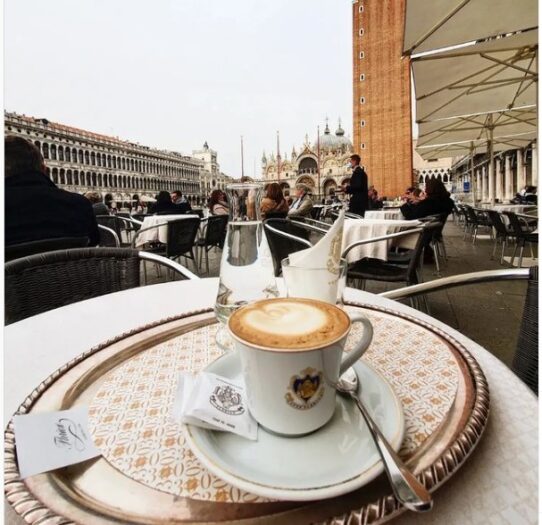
497 484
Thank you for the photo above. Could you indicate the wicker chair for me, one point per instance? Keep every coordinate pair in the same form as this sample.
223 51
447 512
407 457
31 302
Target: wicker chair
39 283
24 249
369 269
523 235
214 235
284 237
525 363
181 237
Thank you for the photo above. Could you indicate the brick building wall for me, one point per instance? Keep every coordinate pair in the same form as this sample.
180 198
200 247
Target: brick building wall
382 105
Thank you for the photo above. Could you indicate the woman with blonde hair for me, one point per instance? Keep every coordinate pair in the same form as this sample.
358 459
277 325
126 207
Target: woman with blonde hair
273 204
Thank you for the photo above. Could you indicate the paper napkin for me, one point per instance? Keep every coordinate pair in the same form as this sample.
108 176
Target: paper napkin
326 253
210 401
50 440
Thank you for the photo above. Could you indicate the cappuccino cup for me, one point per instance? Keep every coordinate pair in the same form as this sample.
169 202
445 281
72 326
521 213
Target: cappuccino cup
291 353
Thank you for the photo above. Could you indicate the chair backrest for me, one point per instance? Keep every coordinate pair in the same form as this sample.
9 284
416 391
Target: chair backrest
181 235
497 223
470 214
281 246
515 223
276 215
39 283
525 363
24 249
215 232
108 237
316 212
426 236
112 222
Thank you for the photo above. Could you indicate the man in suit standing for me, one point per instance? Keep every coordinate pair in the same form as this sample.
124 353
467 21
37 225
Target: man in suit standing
358 188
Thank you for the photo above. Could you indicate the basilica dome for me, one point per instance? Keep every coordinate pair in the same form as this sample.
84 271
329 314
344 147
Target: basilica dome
330 142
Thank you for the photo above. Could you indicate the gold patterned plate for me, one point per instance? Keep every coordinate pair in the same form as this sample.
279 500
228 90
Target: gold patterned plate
161 482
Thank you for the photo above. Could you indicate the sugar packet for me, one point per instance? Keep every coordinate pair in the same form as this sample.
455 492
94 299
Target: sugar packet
214 402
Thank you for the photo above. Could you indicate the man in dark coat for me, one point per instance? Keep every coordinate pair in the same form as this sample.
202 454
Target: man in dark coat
358 188
35 209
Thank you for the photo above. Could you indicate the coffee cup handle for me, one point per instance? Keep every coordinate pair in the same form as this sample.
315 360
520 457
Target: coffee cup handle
360 348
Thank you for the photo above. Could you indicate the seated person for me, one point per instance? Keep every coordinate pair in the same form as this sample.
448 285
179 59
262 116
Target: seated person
98 206
374 202
302 205
408 193
437 201
218 204
274 202
163 205
35 209
180 201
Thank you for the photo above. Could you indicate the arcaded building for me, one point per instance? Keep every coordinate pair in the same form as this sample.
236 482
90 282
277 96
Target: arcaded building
122 172
382 106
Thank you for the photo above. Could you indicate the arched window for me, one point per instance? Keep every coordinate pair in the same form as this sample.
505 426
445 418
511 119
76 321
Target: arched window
69 179
93 158
109 161
81 157
60 153
99 159
37 144
62 177
100 180
55 175
87 157
76 177
68 155
53 152
74 155
123 163
45 151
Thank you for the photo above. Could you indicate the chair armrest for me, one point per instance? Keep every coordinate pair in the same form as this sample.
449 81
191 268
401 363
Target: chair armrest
145 230
457 280
130 220
381 238
288 235
321 227
179 268
111 232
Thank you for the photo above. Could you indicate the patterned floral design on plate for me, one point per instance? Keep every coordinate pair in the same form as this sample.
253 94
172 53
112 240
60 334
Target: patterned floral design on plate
129 415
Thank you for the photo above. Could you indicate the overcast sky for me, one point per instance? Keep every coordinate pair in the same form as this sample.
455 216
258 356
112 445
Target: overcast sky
174 73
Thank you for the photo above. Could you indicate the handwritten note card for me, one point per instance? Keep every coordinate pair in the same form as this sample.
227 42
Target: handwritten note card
50 440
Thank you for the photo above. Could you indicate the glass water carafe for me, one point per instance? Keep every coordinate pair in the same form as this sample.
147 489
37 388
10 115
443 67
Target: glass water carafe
246 268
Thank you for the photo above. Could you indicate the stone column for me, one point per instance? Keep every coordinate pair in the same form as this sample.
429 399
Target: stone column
521 174
508 180
485 189
534 167
499 193
479 195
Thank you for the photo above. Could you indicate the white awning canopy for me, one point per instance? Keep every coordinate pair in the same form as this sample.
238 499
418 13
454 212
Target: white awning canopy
459 149
442 23
492 76
461 129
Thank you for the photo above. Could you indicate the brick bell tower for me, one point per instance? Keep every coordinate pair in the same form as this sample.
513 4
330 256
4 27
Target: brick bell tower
382 104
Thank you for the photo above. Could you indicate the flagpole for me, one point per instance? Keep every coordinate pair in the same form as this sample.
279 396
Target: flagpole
242 159
278 157
318 163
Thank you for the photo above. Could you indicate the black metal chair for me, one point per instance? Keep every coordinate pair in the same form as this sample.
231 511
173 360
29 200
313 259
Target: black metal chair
284 237
525 363
41 282
474 220
108 237
501 232
24 249
181 237
523 235
214 235
370 269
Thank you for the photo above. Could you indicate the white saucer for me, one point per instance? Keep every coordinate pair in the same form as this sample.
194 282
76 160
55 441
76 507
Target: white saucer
334 460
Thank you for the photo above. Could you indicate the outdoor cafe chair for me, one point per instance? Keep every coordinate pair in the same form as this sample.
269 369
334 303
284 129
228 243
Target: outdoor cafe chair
24 249
286 236
525 363
371 269
108 237
523 235
38 283
474 219
213 235
118 224
181 237
502 232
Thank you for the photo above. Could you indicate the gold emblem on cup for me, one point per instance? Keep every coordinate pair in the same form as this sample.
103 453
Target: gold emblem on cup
305 390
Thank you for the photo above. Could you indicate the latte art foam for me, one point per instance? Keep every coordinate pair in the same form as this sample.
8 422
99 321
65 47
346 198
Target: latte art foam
289 324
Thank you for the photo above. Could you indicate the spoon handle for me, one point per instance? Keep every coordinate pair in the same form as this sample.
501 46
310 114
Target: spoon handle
407 489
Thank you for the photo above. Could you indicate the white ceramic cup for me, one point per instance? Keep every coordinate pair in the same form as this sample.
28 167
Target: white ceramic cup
315 283
291 392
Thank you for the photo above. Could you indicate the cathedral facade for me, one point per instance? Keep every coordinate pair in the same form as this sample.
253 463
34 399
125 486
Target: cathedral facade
323 164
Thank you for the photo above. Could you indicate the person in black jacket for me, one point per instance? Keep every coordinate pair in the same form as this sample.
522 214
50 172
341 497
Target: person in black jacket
180 201
35 209
163 205
358 188
437 201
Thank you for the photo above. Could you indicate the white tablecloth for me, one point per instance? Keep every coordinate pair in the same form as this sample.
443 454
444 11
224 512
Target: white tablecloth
497 485
360 229
391 214
513 208
157 234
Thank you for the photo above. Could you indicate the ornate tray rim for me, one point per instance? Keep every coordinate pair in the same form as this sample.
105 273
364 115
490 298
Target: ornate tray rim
34 512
